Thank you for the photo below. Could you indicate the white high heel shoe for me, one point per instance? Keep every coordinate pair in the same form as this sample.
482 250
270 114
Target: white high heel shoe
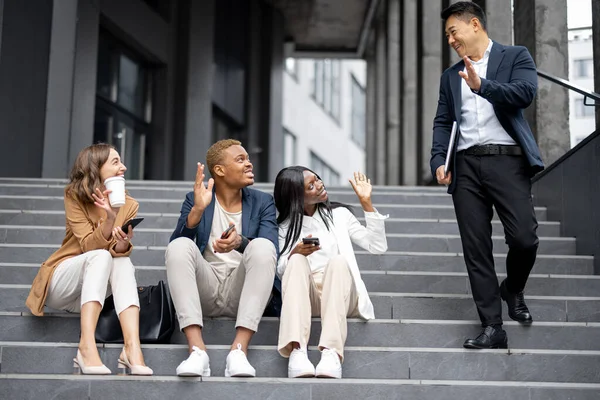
80 368
125 367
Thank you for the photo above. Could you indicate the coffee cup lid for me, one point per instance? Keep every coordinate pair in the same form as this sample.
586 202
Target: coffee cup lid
114 178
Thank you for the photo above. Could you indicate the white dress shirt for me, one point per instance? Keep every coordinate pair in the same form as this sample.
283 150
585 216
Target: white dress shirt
316 227
478 122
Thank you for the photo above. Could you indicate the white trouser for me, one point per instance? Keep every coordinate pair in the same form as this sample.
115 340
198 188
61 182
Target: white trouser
85 278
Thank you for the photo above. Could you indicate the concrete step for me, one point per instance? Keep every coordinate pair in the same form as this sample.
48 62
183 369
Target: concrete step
539 285
384 363
186 185
378 281
411 282
404 305
24 234
169 221
70 387
416 210
376 333
454 262
178 193
390 261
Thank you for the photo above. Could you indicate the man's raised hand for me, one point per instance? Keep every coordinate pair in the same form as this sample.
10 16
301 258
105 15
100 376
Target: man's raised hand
202 194
473 80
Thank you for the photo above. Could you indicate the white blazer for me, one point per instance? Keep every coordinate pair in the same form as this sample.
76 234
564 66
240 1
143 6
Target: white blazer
347 229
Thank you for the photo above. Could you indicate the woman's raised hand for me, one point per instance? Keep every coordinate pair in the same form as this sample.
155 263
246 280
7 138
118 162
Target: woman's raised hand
101 201
362 187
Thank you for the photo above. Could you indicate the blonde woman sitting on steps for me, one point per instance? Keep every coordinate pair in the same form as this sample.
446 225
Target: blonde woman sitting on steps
94 253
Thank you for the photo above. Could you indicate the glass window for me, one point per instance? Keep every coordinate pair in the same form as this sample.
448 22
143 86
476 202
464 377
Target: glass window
318 82
131 86
289 148
358 113
328 175
581 110
584 68
326 86
123 103
335 89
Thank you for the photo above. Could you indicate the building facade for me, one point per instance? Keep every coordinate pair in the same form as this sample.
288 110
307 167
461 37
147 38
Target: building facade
159 79
324 112
163 79
581 73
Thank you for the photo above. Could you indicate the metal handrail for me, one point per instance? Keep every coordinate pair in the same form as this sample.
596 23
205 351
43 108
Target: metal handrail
565 83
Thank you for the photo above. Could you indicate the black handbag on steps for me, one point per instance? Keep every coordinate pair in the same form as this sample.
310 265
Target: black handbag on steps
157 317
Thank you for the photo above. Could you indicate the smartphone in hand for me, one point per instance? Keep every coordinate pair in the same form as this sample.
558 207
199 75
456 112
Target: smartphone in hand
311 240
133 222
227 231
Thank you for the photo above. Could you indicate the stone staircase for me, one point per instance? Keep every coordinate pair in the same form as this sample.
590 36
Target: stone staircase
413 350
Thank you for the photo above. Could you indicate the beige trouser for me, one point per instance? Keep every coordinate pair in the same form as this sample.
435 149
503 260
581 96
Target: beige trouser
198 291
301 299
84 278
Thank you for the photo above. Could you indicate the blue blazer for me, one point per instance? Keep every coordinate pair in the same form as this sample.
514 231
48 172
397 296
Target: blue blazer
258 219
510 85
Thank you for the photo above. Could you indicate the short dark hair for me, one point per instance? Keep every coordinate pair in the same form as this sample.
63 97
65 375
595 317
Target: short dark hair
465 10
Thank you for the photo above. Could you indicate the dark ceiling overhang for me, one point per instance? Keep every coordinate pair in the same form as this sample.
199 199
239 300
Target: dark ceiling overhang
326 28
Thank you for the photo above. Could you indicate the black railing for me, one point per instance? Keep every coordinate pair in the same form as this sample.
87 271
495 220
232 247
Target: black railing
563 82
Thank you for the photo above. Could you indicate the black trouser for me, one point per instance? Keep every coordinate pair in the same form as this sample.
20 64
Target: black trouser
501 181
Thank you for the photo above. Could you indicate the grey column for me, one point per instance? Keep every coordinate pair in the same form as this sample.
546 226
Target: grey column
381 102
393 94
255 89
410 72
596 44
431 70
26 30
84 78
500 21
1 22
542 27
198 116
276 95
371 97
59 99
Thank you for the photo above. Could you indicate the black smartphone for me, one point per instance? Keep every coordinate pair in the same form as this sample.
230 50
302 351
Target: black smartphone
133 222
227 231
311 240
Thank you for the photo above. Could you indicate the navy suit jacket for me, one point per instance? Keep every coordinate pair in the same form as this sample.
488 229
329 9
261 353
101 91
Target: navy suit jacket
510 85
258 219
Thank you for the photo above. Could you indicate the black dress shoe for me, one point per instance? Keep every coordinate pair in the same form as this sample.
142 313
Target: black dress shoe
490 338
517 309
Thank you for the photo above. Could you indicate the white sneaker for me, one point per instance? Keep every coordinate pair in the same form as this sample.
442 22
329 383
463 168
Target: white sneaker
197 364
330 365
299 366
238 365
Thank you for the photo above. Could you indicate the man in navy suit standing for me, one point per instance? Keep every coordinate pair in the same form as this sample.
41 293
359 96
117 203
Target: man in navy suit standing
222 256
493 160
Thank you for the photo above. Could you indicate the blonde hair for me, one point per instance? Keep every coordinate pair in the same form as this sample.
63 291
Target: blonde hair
85 174
214 155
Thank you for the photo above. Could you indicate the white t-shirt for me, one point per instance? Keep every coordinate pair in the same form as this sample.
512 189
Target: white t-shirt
223 263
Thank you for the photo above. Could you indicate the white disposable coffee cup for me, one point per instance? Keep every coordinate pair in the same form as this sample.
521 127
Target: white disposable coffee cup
116 185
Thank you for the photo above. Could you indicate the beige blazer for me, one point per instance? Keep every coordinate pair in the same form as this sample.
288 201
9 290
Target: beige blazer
84 224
